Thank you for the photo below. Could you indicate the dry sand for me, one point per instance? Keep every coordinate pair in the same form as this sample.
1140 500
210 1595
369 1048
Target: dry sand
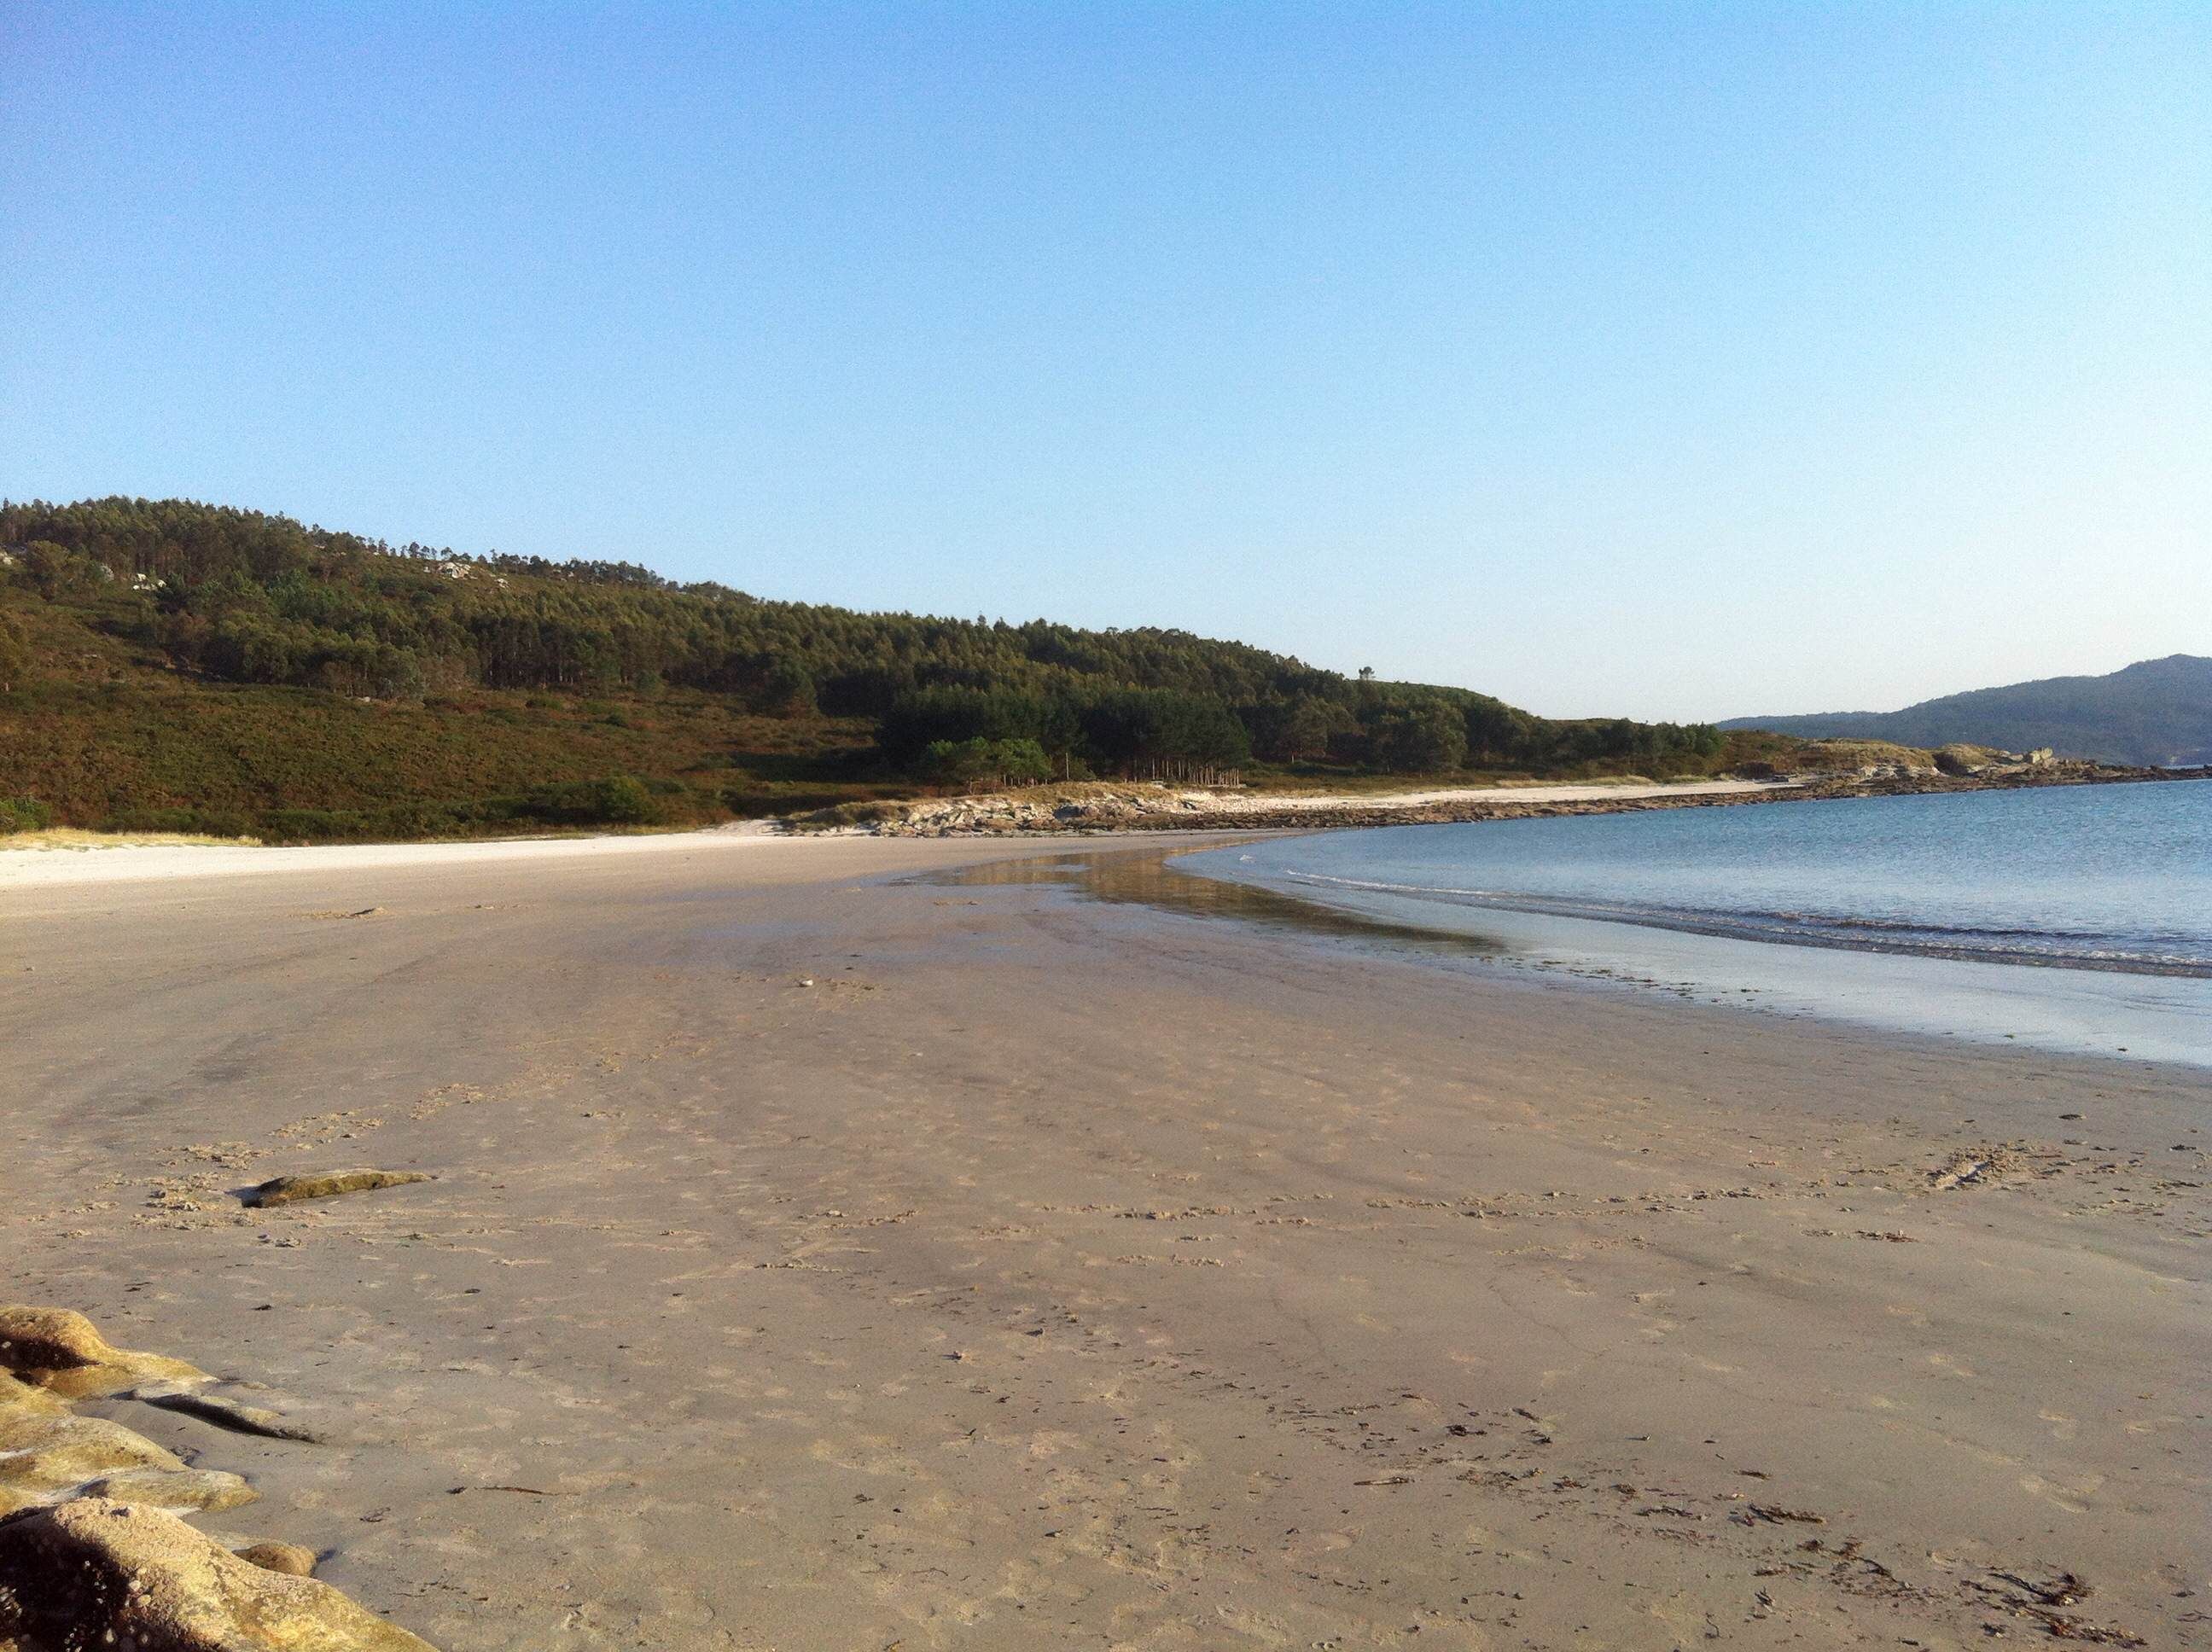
1058 1275
90 858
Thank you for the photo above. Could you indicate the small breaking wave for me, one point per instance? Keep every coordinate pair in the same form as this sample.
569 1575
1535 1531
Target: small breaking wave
2143 954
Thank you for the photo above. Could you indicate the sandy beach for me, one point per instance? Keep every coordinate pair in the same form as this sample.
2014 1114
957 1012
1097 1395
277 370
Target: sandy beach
118 860
826 1245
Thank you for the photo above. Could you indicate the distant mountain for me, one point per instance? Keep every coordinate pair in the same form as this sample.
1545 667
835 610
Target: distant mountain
2155 712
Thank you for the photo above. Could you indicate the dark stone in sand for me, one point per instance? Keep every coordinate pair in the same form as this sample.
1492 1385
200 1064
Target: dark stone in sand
327 1184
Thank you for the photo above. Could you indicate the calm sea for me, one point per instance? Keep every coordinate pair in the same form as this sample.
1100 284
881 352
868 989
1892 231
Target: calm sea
2074 917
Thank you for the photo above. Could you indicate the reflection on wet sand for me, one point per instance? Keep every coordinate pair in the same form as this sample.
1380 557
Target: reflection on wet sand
1149 878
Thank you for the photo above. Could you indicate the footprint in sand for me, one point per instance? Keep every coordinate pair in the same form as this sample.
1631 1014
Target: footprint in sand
2068 1497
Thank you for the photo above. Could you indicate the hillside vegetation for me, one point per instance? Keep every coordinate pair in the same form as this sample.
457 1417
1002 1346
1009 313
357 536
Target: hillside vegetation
169 666
2157 712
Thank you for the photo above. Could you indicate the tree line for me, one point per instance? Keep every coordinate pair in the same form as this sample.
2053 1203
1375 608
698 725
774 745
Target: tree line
243 597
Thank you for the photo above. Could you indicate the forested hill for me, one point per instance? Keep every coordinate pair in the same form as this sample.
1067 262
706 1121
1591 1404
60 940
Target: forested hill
170 662
2155 712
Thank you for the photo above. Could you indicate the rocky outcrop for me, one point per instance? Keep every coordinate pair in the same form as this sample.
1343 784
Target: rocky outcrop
1966 759
47 1457
94 1553
49 1339
96 1573
59 1349
1059 809
289 1559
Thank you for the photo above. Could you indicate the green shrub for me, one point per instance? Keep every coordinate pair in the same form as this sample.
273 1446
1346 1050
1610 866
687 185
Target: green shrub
24 815
616 800
311 825
202 822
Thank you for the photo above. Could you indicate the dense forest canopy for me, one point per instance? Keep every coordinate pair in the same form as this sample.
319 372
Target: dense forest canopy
235 597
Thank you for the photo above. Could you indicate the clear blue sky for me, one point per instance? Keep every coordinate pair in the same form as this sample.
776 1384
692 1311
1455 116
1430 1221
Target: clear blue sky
1675 361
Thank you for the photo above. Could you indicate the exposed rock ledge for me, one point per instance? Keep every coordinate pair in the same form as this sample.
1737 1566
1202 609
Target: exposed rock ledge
96 1573
96 1552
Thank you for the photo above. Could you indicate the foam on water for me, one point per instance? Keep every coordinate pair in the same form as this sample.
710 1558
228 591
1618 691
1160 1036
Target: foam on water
1911 911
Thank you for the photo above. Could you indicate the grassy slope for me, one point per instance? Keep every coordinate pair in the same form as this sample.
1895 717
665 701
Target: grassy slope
119 751
108 734
152 750
114 738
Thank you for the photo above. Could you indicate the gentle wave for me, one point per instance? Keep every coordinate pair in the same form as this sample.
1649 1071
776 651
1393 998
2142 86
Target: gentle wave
2048 948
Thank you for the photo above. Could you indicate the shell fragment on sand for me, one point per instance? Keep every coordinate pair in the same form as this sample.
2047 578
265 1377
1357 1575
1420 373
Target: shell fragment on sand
326 1184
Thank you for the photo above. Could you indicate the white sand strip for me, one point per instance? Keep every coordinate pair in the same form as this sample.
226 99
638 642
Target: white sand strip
143 863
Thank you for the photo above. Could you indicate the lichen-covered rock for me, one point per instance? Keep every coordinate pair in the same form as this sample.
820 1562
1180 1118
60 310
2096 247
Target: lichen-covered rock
94 1574
58 1348
289 1559
50 1339
92 1553
327 1184
43 1457
20 1399
49 1454
178 1490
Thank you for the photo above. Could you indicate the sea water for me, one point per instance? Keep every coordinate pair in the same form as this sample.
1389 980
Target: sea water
2076 917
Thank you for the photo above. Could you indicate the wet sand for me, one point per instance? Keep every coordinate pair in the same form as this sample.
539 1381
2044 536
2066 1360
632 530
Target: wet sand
1055 1273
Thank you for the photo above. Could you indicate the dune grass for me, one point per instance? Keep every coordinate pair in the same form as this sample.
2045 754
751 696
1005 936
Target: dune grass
75 838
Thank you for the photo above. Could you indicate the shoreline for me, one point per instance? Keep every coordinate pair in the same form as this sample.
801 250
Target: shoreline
2078 1013
1721 928
858 1242
1123 811
1165 810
